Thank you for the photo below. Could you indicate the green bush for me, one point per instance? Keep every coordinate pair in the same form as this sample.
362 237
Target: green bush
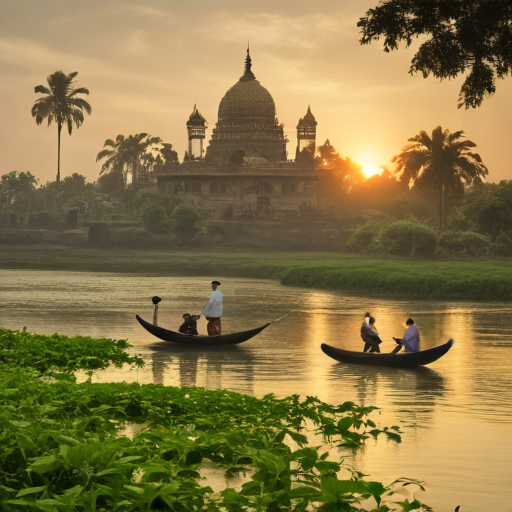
155 219
363 237
406 238
463 242
184 219
503 244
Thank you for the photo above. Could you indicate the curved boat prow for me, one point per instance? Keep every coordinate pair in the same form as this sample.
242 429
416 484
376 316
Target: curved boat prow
176 337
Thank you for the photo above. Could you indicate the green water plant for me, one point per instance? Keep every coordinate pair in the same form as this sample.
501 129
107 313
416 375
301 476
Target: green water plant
67 447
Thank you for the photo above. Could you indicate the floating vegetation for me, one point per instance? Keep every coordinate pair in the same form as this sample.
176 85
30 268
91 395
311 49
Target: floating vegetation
62 448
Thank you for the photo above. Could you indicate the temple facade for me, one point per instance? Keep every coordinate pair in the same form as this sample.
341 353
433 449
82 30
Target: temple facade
244 172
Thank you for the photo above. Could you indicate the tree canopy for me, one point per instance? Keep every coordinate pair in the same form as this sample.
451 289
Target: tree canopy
441 161
61 104
471 37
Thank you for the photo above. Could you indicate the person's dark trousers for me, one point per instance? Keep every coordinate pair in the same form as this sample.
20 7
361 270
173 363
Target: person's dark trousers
375 347
396 349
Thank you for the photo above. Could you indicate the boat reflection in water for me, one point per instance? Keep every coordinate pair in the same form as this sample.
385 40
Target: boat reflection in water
412 393
210 367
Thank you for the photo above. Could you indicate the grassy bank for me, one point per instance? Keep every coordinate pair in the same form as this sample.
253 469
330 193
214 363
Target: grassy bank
479 279
63 447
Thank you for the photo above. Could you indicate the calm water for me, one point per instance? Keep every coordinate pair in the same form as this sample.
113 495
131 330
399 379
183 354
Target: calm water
456 415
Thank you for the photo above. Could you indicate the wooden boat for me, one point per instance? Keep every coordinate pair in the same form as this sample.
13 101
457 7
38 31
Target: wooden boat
187 339
400 360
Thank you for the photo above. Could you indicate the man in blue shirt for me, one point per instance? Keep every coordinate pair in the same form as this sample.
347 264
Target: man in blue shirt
410 339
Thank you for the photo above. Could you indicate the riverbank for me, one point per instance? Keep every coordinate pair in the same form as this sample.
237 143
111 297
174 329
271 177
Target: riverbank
477 279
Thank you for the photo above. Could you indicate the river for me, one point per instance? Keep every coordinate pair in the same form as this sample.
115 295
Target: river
455 415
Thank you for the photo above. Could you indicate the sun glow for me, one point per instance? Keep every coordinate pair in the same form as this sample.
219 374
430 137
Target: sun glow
367 161
370 170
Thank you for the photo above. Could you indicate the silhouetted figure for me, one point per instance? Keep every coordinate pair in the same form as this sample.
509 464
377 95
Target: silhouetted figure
189 325
370 336
155 301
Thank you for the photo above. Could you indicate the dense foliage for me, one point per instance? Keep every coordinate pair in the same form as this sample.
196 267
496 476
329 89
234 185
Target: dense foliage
63 448
458 37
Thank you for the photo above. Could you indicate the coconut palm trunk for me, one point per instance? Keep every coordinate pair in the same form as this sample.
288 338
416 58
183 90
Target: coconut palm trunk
59 129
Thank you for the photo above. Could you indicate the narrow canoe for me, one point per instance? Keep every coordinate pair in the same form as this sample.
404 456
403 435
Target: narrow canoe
186 339
400 360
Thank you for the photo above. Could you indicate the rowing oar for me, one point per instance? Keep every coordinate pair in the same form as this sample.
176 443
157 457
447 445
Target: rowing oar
155 301
279 319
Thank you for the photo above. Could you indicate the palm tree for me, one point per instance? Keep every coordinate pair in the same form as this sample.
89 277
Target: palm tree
126 154
61 105
442 161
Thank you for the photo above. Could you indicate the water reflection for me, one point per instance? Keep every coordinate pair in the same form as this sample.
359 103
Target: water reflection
188 366
413 392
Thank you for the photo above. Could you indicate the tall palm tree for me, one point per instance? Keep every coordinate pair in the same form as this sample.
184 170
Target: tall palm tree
61 105
441 162
126 154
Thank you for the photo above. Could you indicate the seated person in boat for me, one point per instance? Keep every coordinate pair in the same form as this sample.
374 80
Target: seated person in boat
213 311
370 336
189 325
410 340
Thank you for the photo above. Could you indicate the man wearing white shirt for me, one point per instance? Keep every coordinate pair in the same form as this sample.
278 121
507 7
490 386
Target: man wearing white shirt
212 311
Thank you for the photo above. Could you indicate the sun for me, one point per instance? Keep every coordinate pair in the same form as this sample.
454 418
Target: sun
370 170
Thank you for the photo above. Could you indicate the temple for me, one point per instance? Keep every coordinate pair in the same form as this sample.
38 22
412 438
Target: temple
244 172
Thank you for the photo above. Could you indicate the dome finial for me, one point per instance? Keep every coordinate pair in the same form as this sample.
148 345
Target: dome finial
248 74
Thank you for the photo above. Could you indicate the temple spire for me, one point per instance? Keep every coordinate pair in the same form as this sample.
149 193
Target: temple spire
248 74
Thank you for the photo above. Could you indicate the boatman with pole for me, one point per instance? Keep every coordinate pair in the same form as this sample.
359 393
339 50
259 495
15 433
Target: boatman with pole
213 311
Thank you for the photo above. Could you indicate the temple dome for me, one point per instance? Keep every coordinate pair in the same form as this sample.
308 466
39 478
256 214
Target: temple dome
247 122
247 102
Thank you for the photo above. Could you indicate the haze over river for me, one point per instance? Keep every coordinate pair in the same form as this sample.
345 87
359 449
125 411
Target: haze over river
455 415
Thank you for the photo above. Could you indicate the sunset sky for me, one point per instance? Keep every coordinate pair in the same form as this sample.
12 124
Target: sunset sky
147 63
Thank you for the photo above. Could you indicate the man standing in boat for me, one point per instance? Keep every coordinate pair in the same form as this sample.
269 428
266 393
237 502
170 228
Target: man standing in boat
213 311
410 339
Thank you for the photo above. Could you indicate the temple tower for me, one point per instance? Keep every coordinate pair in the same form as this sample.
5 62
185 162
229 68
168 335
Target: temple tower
196 128
247 123
306 133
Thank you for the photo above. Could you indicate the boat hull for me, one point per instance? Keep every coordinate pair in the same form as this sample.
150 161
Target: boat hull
185 339
400 360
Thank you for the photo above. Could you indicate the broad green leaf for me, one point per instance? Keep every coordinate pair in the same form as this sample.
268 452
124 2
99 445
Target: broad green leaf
30 490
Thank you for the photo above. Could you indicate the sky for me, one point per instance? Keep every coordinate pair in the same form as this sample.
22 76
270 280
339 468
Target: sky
147 63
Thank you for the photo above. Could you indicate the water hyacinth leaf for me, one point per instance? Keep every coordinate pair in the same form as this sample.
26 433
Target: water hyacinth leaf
153 468
135 489
129 458
189 473
193 457
409 506
77 489
231 497
326 466
44 465
394 436
344 424
31 490
26 445
331 487
67 440
307 457
21 502
376 489
303 492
